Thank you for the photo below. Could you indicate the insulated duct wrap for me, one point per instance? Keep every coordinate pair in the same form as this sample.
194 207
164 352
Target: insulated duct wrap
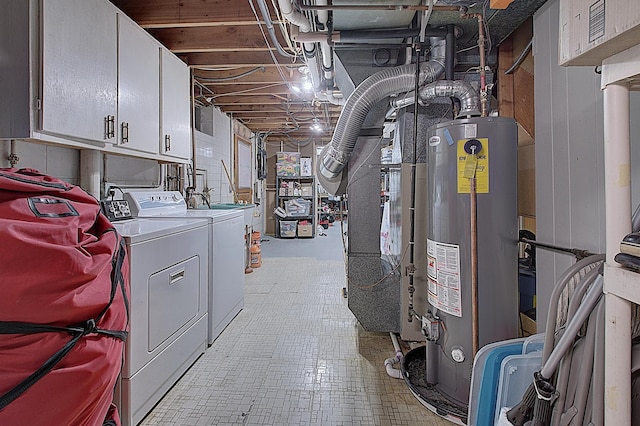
459 89
371 91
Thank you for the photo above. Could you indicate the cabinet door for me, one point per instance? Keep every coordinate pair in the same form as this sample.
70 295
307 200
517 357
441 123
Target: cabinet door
138 88
175 106
79 69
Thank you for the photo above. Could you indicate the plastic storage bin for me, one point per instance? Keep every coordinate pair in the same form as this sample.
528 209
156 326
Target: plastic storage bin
516 374
298 207
288 228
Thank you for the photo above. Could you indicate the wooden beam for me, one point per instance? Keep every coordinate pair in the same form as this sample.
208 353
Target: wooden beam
230 74
500 4
250 100
253 58
236 77
210 39
251 90
164 13
333 109
302 118
505 81
524 101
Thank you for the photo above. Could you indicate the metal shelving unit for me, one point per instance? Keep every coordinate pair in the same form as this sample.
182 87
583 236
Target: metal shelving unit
297 193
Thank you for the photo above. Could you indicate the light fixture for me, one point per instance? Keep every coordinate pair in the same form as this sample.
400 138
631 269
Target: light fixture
316 126
307 85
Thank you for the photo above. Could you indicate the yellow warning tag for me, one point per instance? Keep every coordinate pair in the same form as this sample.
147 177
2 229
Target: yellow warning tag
477 164
470 165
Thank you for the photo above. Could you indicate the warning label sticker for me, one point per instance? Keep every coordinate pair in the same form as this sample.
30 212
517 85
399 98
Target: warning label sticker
481 168
443 274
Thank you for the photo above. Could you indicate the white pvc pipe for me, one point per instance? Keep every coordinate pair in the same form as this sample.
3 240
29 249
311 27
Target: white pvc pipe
389 362
329 96
299 20
327 62
617 181
90 171
617 167
296 18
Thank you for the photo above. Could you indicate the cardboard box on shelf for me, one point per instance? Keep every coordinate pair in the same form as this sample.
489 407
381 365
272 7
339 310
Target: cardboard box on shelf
288 228
305 230
307 191
528 325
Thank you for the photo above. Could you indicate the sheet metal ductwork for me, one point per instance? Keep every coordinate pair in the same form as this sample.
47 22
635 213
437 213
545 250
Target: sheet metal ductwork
375 88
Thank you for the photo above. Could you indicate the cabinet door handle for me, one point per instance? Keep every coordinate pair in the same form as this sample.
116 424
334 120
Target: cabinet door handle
167 142
124 132
109 126
176 277
106 127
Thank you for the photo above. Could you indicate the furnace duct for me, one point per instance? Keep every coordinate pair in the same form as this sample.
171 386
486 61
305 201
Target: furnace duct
372 90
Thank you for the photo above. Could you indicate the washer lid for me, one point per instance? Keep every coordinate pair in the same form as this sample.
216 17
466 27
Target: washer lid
137 230
215 215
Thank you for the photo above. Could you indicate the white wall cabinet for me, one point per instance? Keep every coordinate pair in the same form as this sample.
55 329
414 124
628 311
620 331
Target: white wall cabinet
592 30
80 73
175 106
79 94
138 88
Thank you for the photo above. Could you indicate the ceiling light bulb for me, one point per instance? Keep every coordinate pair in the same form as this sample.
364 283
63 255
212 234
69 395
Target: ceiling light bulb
295 89
307 86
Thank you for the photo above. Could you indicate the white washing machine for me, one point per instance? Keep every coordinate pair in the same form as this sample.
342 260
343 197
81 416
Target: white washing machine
168 309
226 250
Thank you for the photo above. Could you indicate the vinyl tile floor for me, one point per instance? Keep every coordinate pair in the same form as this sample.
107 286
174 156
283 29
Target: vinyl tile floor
295 355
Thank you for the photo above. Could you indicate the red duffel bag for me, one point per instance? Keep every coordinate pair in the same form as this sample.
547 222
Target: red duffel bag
64 297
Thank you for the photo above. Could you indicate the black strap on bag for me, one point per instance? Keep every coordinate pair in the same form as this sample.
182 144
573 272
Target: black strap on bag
77 331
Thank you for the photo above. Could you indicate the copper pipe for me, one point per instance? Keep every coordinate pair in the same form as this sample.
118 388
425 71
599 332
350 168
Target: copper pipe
474 266
473 195
483 73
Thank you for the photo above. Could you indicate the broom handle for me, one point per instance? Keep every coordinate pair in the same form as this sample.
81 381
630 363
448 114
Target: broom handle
235 196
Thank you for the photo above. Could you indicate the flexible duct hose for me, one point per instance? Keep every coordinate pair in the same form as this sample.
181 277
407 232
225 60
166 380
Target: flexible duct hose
372 90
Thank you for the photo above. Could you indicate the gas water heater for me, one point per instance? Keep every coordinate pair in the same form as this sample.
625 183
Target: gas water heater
449 349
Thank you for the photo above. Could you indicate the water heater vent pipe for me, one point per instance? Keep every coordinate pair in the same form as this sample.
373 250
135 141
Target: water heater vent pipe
459 89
